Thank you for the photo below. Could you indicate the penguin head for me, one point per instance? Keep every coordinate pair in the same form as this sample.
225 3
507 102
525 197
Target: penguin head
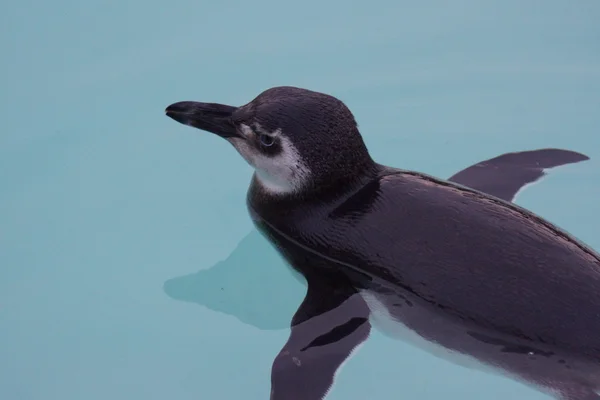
297 140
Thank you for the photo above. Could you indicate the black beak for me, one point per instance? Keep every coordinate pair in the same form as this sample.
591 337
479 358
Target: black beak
211 117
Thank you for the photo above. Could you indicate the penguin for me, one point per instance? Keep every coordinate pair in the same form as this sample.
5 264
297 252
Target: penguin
463 274
217 287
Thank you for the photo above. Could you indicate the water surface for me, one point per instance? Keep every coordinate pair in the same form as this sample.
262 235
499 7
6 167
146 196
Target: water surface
106 204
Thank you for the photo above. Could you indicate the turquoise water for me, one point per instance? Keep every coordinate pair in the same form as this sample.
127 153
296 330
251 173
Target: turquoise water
129 267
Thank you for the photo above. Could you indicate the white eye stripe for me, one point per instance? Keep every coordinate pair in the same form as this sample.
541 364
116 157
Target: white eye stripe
262 131
281 173
246 131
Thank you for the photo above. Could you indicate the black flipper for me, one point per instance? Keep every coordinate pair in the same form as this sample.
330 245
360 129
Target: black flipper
505 175
331 322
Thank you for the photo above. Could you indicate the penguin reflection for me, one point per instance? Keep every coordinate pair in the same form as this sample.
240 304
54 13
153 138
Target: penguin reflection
503 176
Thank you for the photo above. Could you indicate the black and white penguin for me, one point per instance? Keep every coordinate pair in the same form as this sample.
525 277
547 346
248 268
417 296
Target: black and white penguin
455 270
218 286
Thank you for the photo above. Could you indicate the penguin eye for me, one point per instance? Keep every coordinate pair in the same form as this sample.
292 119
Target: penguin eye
266 140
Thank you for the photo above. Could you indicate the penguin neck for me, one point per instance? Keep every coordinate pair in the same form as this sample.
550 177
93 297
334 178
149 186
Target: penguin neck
318 191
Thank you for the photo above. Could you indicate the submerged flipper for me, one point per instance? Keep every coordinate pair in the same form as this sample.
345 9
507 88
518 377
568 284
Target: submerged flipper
332 321
504 176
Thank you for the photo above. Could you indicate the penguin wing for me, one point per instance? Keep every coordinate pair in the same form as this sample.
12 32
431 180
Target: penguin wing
329 325
504 176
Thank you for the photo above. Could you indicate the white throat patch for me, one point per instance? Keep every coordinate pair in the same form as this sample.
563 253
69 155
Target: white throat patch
283 173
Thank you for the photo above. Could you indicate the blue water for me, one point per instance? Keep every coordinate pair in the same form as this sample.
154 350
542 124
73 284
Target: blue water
112 215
